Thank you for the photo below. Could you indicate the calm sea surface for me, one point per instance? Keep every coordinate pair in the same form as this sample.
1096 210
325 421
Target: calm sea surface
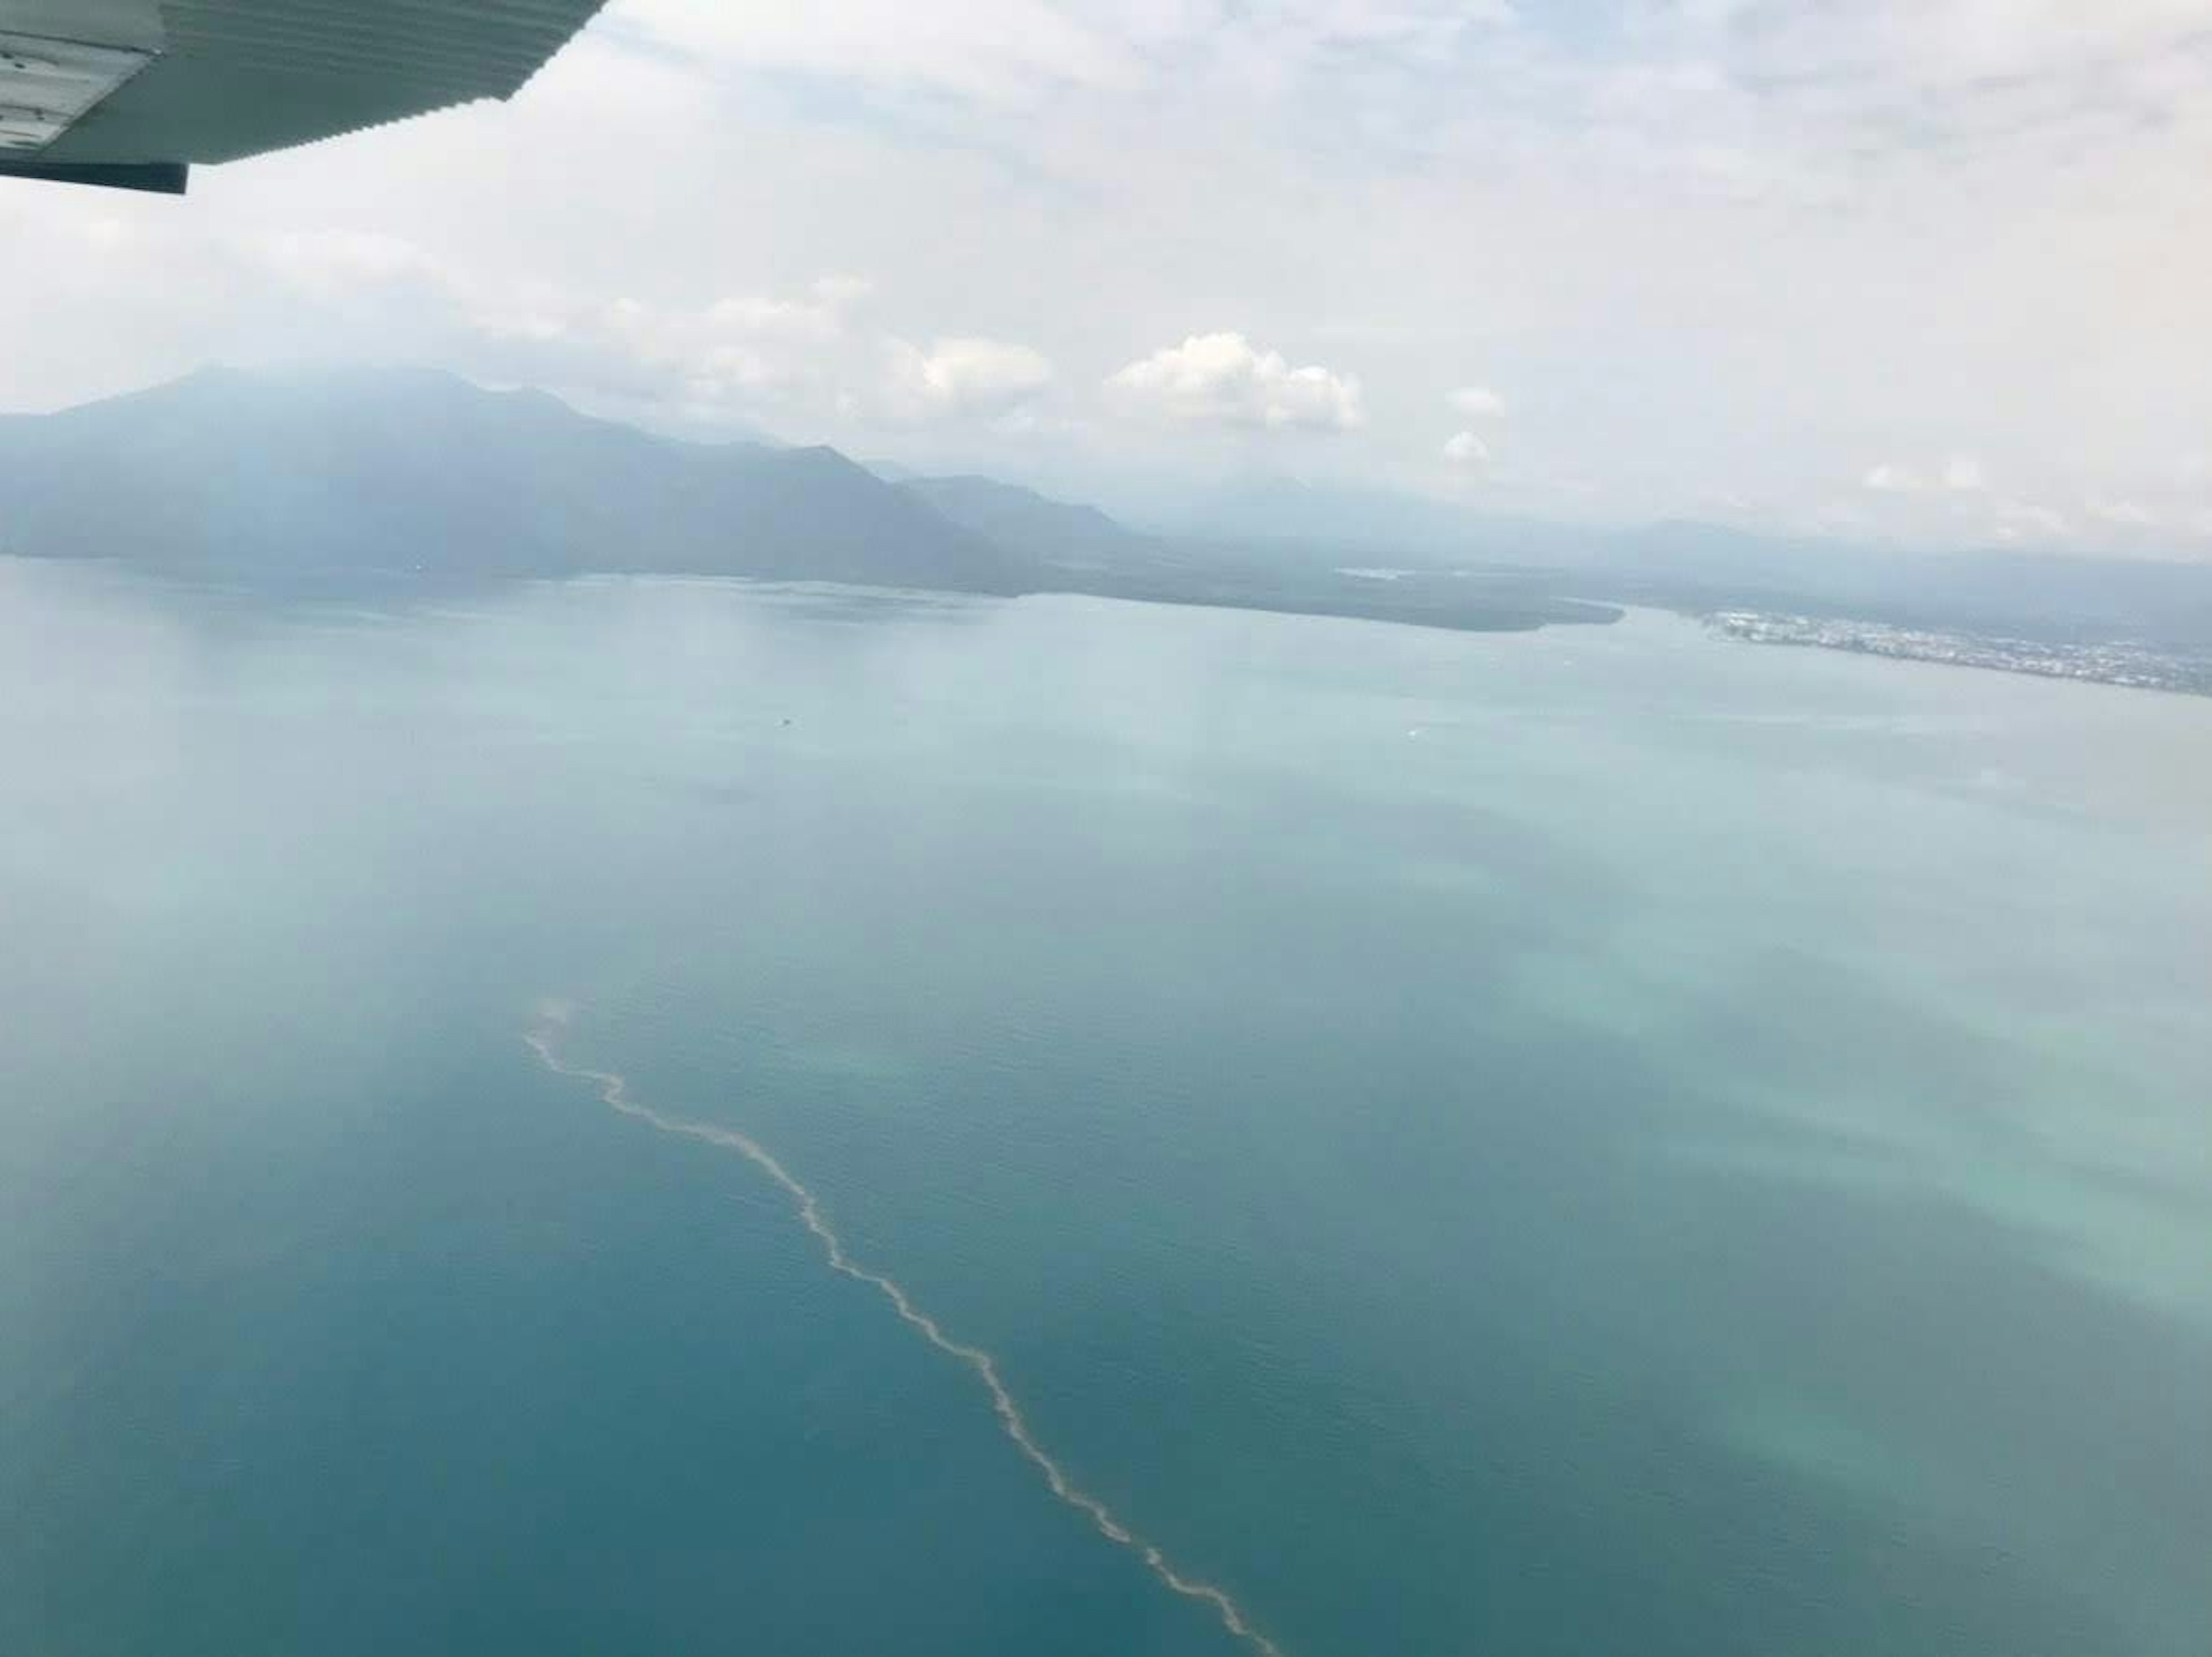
1592 1142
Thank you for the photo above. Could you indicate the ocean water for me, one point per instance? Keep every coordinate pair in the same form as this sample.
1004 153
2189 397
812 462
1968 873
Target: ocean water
1065 1127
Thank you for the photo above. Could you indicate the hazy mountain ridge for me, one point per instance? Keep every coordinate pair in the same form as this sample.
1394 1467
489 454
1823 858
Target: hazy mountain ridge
250 476
362 473
1064 533
350 474
1080 548
2052 596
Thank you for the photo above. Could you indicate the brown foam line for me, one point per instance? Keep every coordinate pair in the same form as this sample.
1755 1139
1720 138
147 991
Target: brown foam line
614 1091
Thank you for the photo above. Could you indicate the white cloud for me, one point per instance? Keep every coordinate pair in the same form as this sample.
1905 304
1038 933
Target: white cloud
1466 449
2124 514
1840 518
1963 474
1220 379
1960 474
741 358
1478 403
2023 520
742 351
754 315
841 289
962 377
1907 188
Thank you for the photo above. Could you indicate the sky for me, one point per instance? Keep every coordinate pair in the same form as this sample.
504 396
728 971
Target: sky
1930 271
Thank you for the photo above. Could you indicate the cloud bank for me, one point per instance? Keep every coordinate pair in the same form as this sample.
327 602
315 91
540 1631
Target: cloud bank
1910 266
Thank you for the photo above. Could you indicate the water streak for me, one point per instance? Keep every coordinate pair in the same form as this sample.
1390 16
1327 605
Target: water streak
614 1091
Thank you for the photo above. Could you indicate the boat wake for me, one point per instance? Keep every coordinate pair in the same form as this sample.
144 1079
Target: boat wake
554 1019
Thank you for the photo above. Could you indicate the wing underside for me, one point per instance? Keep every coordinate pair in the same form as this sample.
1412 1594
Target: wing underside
136 92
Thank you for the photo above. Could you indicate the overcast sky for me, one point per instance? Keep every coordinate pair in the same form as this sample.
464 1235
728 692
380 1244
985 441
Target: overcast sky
1937 269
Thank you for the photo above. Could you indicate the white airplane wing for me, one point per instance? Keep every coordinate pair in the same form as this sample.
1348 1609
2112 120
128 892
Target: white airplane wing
135 93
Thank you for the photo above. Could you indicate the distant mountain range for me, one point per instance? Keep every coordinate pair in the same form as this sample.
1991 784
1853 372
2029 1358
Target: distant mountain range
1071 536
2052 597
357 474
249 476
380 474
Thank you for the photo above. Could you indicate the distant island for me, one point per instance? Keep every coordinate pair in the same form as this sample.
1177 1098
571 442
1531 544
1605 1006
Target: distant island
307 480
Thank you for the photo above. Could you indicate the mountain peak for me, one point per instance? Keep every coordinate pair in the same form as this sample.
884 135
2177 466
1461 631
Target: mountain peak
344 469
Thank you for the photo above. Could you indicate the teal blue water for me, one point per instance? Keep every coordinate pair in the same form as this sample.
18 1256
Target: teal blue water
1597 1141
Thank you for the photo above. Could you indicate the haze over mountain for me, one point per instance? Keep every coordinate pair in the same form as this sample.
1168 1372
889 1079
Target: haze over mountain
1697 568
277 477
1071 536
312 476
256 476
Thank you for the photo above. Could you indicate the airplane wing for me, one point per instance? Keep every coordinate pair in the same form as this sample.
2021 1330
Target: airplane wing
135 93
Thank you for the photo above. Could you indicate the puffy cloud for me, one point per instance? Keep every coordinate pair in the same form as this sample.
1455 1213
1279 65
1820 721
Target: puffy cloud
2023 520
840 288
418 302
805 357
961 377
1478 403
740 351
751 314
2125 514
1957 500
1960 474
1222 380
1466 449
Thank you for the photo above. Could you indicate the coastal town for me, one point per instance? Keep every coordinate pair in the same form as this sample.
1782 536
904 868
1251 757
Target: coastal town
2103 662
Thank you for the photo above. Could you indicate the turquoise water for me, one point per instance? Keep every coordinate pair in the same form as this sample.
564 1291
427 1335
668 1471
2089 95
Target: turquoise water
1598 1141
